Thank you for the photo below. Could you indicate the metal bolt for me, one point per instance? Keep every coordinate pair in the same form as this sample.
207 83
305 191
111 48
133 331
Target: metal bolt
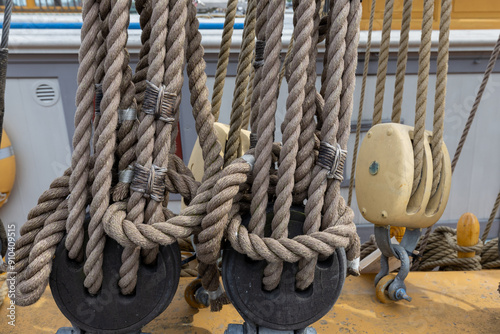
384 214
369 134
374 168
363 210
401 294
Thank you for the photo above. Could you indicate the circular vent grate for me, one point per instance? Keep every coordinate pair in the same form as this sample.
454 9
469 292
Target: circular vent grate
45 94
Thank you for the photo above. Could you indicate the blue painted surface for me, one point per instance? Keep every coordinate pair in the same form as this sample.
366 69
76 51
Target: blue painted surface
78 25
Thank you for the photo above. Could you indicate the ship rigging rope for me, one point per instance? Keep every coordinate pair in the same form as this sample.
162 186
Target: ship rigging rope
456 157
170 41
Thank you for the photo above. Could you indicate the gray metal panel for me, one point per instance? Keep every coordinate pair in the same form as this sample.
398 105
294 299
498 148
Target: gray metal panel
476 181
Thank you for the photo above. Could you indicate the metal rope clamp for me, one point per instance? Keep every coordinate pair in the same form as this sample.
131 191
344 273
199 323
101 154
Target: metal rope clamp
159 103
285 309
260 46
385 196
109 311
98 99
150 182
333 159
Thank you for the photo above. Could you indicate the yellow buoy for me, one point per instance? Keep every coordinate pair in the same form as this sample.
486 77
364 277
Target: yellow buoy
7 168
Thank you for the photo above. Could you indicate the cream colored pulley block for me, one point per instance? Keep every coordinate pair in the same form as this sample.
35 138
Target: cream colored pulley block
384 179
221 130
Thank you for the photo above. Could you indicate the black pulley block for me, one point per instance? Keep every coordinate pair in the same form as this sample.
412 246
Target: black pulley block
286 307
109 311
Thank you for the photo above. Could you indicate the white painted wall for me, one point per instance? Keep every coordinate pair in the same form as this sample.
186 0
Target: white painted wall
40 141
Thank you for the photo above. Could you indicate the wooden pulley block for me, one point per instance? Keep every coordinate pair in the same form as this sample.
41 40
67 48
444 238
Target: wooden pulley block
285 308
384 179
109 311
222 131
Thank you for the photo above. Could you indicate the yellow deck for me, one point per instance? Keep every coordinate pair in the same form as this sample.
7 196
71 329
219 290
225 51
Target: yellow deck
443 302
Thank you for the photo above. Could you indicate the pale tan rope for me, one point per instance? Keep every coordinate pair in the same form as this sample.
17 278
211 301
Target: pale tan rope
241 84
442 252
305 155
104 10
83 130
146 131
491 218
477 101
248 98
401 64
106 143
223 60
422 83
290 127
332 198
125 153
263 120
361 100
211 150
382 62
332 88
260 32
31 282
173 79
489 255
440 95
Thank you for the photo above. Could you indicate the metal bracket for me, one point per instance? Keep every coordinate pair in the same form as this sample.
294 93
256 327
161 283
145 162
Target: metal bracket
76 330
397 289
249 328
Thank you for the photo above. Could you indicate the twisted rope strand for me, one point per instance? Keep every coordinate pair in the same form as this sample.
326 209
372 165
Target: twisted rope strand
223 59
440 96
83 130
240 88
401 64
361 101
423 79
290 129
382 62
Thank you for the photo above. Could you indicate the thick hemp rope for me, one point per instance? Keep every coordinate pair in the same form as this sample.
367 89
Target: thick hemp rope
80 159
223 59
241 84
366 64
382 62
266 128
401 64
260 33
422 83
